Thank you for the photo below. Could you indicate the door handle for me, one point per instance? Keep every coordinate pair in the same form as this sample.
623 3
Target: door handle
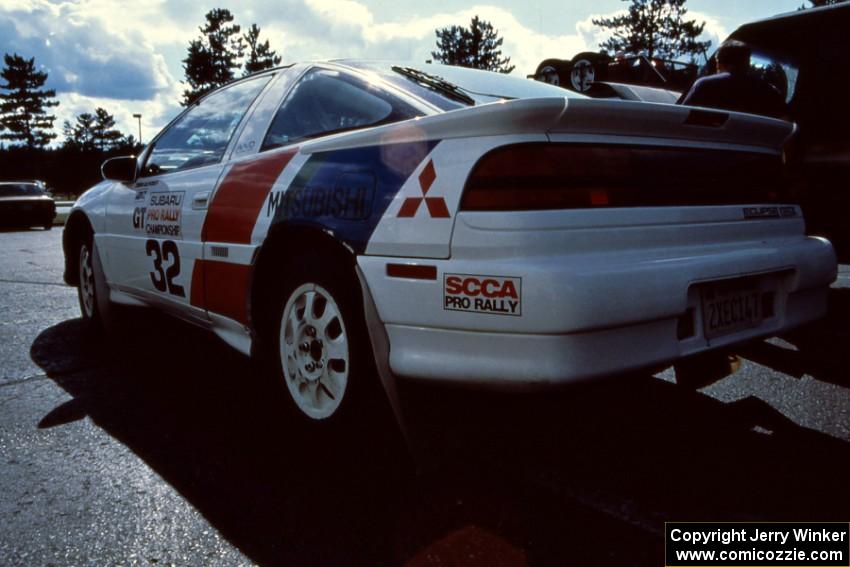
200 200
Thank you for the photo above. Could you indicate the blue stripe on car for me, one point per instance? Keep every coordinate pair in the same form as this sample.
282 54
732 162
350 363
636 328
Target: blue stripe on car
348 191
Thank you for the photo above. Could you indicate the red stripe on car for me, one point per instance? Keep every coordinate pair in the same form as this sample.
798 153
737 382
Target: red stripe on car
237 203
222 288
196 295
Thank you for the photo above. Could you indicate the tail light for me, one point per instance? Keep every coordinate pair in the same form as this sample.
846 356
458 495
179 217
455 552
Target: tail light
545 176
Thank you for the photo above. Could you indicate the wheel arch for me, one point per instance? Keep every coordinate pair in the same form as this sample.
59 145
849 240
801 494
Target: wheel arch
283 244
77 228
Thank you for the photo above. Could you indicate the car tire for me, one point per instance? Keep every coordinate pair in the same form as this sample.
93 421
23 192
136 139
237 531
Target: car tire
101 314
586 66
321 355
87 288
553 72
48 226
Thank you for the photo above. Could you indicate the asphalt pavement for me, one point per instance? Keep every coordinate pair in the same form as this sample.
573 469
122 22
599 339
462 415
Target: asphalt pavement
162 446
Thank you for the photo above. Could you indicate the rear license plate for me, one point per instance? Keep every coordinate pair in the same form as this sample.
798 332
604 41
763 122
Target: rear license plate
729 307
25 207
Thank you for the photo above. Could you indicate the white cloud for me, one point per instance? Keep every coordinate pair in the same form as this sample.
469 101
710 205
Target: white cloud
714 30
126 56
593 35
81 52
91 61
415 37
155 112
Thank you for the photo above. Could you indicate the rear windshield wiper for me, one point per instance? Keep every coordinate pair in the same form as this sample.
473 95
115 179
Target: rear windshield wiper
435 83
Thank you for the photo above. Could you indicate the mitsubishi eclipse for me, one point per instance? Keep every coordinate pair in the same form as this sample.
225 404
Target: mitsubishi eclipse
464 226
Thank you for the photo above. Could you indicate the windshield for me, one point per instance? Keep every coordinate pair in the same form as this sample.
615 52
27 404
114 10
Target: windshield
20 190
480 86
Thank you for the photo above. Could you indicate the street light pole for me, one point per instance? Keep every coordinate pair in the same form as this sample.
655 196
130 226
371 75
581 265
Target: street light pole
139 117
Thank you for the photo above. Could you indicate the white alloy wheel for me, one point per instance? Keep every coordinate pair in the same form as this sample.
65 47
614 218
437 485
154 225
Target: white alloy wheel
314 350
86 291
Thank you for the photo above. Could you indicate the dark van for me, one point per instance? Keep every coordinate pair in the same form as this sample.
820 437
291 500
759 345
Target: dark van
806 56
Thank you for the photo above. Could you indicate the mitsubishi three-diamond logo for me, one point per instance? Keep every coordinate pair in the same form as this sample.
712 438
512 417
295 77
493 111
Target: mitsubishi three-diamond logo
437 208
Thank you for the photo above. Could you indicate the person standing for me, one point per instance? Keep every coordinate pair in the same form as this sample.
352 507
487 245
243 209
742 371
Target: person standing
734 87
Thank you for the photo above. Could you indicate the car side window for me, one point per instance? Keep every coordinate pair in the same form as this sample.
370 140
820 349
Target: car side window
201 135
326 101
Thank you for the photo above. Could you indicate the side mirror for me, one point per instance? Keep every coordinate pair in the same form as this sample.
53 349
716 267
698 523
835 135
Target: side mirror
119 169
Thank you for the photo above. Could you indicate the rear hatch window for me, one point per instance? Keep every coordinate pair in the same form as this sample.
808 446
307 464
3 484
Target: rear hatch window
569 176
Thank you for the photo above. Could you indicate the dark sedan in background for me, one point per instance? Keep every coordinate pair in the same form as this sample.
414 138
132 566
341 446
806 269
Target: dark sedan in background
24 204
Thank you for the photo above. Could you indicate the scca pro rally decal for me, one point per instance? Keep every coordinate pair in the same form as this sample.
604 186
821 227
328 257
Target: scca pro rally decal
496 295
162 217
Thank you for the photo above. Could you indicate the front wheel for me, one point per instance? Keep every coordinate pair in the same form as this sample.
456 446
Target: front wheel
86 291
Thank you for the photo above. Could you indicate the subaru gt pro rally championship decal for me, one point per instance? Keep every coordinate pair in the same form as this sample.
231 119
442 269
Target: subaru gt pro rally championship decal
162 218
496 295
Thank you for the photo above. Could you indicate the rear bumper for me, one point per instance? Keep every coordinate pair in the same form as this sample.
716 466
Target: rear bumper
508 360
587 316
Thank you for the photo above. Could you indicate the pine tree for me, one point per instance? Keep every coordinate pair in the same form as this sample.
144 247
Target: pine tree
81 134
260 55
452 48
212 58
655 28
93 132
106 137
477 46
23 107
128 146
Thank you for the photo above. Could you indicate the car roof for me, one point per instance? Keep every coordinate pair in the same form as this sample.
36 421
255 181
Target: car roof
476 82
798 16
794 31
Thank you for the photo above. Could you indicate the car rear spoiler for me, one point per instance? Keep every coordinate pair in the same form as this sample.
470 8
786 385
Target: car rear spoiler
580 119
671 122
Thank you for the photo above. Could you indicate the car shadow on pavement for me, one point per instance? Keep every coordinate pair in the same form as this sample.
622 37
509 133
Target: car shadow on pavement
586 475
818 350
194 411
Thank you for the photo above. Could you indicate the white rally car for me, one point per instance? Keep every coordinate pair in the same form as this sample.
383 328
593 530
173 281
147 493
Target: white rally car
458 225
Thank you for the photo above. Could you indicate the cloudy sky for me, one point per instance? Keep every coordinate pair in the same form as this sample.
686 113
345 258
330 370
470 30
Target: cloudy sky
126 56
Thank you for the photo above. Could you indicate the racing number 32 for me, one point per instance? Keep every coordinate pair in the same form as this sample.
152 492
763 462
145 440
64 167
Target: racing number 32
164 279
